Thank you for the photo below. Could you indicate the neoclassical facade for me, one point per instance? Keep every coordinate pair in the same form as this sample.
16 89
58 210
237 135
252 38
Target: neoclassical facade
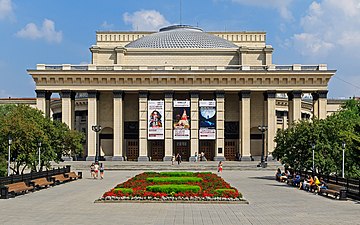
183 90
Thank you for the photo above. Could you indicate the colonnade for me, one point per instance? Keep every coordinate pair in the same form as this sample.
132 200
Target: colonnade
294 114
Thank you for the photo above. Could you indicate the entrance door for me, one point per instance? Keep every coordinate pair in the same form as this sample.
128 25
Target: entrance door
132 149
183 147
230 150
208 147
157 150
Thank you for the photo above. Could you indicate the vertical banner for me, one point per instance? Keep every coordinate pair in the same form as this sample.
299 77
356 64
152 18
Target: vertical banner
181 119
156 120
207 120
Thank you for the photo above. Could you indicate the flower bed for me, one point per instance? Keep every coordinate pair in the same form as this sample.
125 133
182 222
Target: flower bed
198 187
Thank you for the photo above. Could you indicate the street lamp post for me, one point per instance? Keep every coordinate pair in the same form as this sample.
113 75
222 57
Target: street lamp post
343 159
9 145
97 129
39 151
313 157
262 129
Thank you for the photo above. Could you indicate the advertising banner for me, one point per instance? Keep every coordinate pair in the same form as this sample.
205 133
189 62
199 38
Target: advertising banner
156 120
181 119
207 120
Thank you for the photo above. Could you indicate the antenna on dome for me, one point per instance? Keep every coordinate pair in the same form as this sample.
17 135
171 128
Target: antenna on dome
180 12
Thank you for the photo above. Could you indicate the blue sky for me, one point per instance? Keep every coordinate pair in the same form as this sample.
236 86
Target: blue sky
59 32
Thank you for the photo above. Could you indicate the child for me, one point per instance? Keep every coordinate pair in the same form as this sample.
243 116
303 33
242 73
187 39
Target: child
220 167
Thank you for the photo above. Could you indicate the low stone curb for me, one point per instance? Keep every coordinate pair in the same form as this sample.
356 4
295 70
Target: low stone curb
185 200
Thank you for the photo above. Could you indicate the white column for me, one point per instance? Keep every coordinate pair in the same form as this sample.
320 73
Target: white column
168 126
118 126
271 121
244 97
68 108
43 101
220 126
92 121
294 106
322 104
194 144
143 144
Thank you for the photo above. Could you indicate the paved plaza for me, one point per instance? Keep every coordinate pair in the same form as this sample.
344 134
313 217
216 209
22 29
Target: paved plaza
270 203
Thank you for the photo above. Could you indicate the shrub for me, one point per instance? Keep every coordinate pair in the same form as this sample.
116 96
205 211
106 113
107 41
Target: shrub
176 174
221 191
174 180
124 190
172 188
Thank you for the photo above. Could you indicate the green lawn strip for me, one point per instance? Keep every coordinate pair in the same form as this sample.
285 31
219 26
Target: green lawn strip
174 180
176 174
173 188
124 190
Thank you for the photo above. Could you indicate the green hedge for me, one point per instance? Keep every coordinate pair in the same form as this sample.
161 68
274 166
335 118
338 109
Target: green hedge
221 191
174 180
176 174
124 190
171 188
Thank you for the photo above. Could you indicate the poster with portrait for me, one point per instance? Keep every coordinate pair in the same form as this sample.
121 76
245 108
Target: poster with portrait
181 120
156 120
207 119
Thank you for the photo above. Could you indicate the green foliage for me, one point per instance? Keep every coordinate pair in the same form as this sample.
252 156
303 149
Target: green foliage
3 167
177 174
294 145
172 188
27 127
124 190
175 180
221 191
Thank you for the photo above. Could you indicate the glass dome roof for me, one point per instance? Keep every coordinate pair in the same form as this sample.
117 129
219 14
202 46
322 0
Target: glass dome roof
181 36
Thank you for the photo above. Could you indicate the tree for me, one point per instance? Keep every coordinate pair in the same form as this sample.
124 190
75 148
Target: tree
28 127
294 145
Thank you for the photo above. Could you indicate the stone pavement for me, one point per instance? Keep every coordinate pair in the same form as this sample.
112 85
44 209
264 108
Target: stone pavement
270 203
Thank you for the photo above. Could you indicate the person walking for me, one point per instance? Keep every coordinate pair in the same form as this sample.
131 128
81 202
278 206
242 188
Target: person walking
102 170
172 159
96 170
196 157
220 167
178 158
92 168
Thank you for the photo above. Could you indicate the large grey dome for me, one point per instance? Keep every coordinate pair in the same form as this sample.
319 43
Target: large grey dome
181 36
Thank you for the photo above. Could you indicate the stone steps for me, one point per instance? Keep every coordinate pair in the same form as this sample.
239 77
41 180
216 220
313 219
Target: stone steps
155 166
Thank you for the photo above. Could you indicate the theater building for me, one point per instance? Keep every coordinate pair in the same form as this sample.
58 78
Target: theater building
182 90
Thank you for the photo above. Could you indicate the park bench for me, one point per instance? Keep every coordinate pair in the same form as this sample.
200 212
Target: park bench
41 182
15 188
72 176
60 178
334 190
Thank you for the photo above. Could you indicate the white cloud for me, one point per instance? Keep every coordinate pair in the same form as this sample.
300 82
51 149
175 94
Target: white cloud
6 9
145 20
328 26
281 5
47 32
106 25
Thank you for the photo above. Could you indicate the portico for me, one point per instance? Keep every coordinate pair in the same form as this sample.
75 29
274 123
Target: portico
226 85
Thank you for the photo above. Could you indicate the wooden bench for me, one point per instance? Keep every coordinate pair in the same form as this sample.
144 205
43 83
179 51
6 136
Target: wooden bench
60 178
72 176
15 188
334 190
41 182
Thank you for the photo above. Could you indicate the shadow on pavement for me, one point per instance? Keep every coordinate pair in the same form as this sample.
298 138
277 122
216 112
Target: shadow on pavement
264 178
